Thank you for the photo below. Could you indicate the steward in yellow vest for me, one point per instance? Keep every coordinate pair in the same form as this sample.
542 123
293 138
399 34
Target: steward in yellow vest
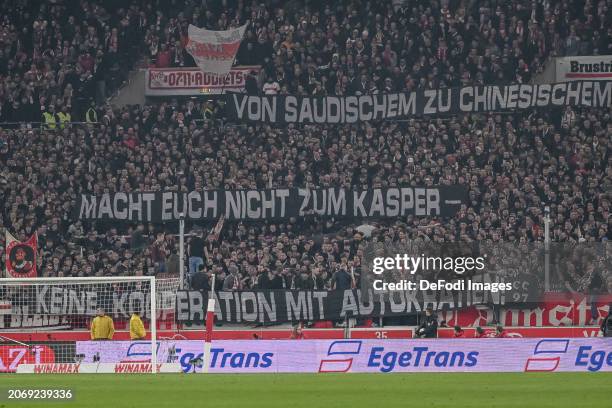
64 117
102 327
137 329
49 118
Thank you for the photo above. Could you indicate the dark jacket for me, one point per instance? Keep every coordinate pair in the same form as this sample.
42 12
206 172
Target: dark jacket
606 326
429 326
200 282
251 86
267 282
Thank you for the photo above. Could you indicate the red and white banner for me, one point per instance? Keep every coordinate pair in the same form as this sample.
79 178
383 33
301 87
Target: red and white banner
214 51
528 332
192 81
557 309
584 68
21 257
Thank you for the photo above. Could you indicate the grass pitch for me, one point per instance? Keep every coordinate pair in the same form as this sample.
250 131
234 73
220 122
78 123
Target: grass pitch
538 390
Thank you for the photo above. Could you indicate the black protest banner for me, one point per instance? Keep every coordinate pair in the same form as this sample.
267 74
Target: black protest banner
277 306
55 305
430 102
443 201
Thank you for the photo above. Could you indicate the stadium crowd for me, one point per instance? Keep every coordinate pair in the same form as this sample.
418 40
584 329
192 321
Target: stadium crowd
513 164
54 60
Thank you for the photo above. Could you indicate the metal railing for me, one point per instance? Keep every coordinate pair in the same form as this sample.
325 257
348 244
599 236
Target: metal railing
33 125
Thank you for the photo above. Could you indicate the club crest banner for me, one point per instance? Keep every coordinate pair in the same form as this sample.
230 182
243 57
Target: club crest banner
21 257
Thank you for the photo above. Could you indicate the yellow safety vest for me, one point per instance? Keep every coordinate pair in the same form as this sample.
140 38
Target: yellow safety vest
91 115
49 120
137 329
102 327
63 118
208 113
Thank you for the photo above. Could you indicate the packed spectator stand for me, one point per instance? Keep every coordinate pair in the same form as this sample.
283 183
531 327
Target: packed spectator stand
514 164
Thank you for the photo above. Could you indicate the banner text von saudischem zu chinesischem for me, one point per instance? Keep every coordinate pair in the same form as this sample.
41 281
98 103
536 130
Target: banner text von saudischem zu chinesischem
350 109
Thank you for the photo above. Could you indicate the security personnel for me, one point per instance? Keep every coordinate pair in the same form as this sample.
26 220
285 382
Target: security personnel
209 111
137 329
49 118
63 116
429 326
91 116
102 327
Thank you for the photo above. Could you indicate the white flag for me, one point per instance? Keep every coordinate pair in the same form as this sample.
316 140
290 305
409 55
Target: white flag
214 51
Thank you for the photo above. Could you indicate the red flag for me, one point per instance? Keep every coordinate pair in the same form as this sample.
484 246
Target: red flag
21 257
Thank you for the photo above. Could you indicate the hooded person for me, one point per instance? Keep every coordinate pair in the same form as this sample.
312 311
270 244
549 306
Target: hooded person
137 329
